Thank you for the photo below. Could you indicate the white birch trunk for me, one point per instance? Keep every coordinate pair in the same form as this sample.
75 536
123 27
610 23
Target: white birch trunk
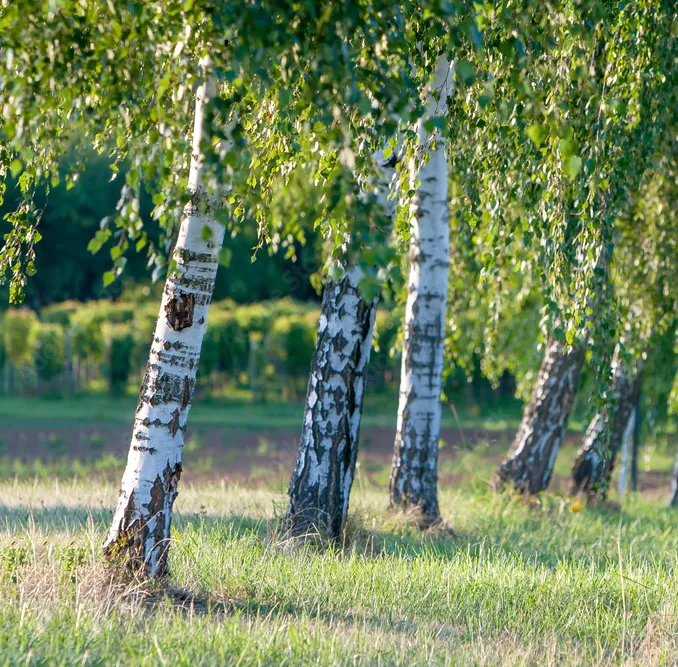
673 492
414 473
626 453
323 475
140 531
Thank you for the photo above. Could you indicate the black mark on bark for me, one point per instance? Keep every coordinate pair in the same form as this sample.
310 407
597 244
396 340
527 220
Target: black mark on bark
179 311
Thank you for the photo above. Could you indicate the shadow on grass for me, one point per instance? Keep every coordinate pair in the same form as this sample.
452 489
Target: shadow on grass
540 536
71 519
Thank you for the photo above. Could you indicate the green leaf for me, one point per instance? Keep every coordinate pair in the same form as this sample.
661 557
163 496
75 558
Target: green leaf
15 168
568 147
537 133
284 97
364 106
109 277
572 166
225 257
336 272
163 85
369 287
465 72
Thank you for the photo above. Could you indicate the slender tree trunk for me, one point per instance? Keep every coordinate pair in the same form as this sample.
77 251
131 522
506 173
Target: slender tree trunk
414 475
636 440
627 445
529 463
593 466
673 493
140 531
325 467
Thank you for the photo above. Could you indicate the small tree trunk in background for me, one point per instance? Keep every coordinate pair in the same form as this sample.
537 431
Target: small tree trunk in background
627 445
325 467
68 353
595 459
636 441
140 531
264 370
253 366
673 493
529 463
414 475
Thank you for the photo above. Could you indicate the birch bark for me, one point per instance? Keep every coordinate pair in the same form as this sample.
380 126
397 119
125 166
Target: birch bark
140 531
323 474
595 460
530 460
414 473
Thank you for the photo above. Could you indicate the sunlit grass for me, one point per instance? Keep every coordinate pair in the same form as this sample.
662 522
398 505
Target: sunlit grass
519 585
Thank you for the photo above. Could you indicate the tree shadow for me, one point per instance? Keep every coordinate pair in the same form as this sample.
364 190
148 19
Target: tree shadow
528 538
68 518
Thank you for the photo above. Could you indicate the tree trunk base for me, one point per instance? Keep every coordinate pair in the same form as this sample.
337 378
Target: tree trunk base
140 535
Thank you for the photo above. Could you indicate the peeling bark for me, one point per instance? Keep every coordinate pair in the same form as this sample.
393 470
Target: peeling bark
595 460
323 474
414 474
529 463
140 531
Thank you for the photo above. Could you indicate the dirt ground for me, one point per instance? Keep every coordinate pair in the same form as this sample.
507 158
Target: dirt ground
267 455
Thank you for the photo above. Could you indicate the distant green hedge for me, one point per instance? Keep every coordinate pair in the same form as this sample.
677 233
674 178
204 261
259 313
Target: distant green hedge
265 346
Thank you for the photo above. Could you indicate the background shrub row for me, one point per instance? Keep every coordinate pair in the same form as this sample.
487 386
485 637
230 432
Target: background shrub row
264 347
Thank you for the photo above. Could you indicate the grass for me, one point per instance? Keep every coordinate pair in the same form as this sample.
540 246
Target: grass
233 412
520 585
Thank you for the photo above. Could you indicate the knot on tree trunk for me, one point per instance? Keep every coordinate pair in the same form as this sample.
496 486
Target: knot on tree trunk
179 311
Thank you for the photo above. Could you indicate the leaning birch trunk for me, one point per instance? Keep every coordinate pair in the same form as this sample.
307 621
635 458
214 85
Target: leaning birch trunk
140 531
529 463
414 474
530 460
324 471
595 460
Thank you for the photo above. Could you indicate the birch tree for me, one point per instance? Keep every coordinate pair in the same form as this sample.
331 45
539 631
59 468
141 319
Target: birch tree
414 473
529 463
629 452
643 275
673 408
140 531
325 467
